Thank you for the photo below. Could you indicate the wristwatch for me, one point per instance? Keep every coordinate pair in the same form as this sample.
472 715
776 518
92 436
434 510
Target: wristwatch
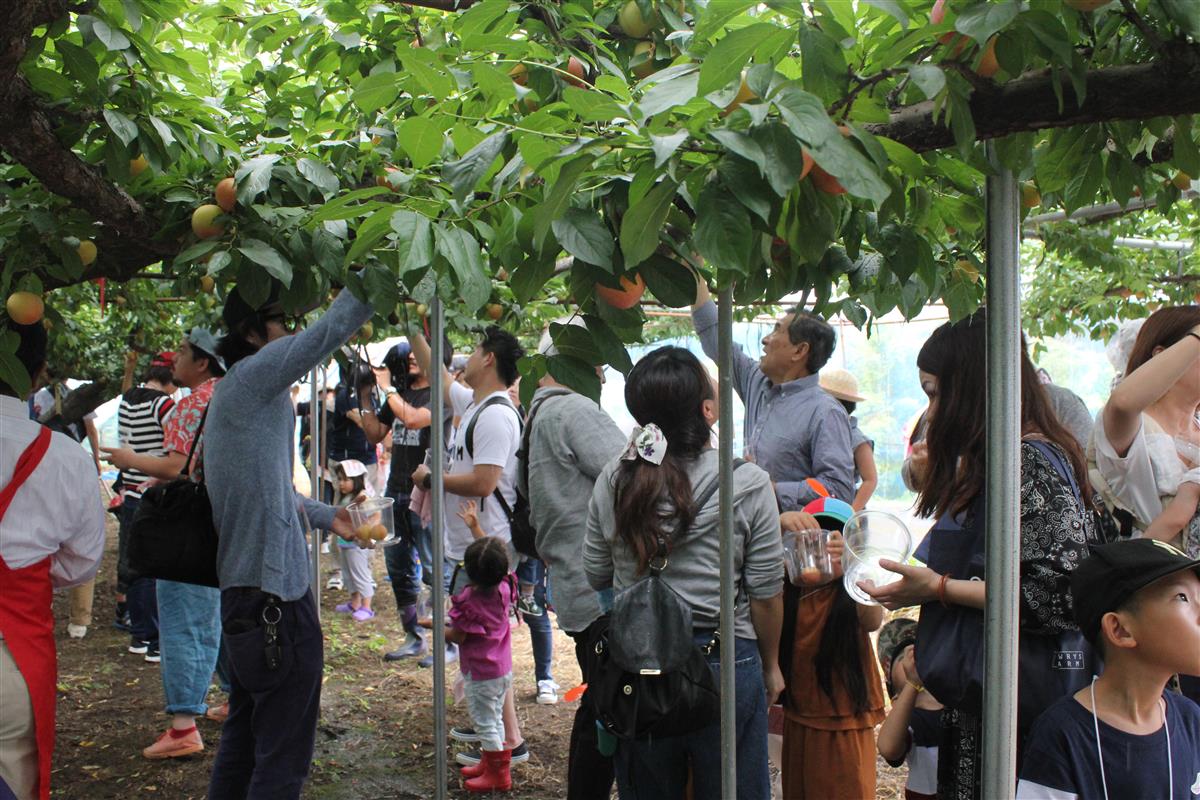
427 481
389 391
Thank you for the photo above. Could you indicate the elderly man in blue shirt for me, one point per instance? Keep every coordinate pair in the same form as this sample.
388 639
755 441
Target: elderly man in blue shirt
794 430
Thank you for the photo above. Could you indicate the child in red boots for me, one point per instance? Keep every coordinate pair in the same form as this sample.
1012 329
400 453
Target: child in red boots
479 624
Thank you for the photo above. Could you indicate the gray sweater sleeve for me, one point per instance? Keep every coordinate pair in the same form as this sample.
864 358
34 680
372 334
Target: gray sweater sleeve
762 565
597 544
279 364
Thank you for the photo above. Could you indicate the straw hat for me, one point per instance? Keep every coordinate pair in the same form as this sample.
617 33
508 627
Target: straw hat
841 384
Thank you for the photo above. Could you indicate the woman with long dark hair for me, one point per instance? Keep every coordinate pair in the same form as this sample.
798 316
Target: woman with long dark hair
1056 528
646 497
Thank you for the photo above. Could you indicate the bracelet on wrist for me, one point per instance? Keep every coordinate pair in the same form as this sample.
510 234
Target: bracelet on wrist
1194 335
427 481
919 687
941 590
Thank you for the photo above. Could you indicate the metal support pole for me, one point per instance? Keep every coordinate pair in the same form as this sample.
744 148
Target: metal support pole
314 451
1003 520
437 451
725 459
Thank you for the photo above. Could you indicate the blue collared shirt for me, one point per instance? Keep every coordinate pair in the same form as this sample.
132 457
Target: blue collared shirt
794 431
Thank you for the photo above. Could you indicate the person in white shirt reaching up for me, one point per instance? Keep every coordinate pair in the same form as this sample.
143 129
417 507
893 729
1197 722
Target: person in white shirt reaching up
51 537
482 467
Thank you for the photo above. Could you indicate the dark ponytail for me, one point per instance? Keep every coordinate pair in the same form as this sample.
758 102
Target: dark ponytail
666 388
838 656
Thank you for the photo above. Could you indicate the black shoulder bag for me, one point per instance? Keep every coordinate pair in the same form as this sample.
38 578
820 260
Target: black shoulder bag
172 536
648 676
518 516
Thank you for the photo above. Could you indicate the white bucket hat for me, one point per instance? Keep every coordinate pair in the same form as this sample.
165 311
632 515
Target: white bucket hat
352 467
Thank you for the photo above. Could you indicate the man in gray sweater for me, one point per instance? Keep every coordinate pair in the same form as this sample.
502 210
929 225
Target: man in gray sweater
268 615
571 440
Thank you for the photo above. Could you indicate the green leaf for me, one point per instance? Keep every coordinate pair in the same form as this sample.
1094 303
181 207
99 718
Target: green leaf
369 234
741 144
593 106
463 174
611 348
717 13
121 125
891 7
987 17
668 94
200 248
381 288
671 283
347 205
723 64
498 86
269 258
823 65
424 65
784 160
530 277
584 235
746 183
461 250
219 261
376 91
559 197
49 82
643 221
723 234
414 242
112 38
1186 156
929 78
318 175
1185 14
253 177
80 63
575 373
12 371
665 146
903 157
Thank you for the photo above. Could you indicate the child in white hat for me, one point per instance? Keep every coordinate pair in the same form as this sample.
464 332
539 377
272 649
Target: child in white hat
351 476
844 387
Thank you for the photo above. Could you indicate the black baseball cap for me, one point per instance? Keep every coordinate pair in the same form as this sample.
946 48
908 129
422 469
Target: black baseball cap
1107 578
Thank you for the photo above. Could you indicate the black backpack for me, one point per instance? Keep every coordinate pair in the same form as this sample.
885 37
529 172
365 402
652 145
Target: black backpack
648 676
524 534
522 507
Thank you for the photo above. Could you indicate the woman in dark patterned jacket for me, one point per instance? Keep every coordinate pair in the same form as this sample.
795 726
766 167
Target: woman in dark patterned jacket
1056 528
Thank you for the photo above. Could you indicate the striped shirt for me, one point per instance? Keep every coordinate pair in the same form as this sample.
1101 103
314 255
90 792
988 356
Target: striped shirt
141 419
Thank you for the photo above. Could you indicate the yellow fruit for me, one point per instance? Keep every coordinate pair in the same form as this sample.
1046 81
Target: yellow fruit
744 93
87 251
988 65
226 193
494 311
24 308
627 296
807 161
968 269
120 300
202 221
379 532
207 284
382 180
826 182
577 71
1182 181
519 75
363 531
632 23
138 165
646 68
422 309
938 12
366 332
1030 196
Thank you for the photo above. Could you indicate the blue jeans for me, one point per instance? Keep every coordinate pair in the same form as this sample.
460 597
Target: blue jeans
541 633
656 769
402 560
190 638
139 596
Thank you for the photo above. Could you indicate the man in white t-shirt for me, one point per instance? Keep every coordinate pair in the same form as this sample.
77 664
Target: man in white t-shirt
482 462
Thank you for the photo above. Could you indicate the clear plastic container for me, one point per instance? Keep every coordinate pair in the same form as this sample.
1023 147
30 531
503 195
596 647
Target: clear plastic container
805 557
373 522
870 536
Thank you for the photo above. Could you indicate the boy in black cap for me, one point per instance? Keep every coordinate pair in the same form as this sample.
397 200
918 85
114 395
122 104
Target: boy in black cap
1138 602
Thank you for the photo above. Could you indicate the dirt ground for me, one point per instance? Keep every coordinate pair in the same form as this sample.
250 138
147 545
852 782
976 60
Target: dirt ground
375 738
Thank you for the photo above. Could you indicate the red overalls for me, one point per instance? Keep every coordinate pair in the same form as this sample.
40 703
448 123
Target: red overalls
27 622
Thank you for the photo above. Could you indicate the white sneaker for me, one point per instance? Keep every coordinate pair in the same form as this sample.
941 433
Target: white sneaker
334 582
325 547
547 693
76 631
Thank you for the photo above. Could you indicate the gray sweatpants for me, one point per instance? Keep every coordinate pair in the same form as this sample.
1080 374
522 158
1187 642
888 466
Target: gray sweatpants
356 570
485 702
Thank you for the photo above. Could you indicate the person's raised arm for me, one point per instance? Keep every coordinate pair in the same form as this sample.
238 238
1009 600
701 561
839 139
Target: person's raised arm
424 355
704 319
864 462
1144 386
279 364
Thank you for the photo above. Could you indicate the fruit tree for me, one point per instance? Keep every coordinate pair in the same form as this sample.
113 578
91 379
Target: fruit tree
576 147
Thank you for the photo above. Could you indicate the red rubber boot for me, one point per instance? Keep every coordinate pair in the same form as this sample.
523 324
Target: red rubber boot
496 776
475 770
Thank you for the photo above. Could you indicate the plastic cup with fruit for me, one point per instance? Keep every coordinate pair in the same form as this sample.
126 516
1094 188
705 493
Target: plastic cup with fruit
806 558
372 522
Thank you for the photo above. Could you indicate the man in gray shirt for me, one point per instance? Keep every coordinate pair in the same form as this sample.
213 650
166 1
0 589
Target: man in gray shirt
571 439
794 430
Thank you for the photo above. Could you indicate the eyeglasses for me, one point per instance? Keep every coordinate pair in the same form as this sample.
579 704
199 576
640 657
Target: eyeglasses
289 324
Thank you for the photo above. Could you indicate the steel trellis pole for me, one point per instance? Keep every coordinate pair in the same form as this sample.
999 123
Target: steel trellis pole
1003 520
314 451
437 452
725 458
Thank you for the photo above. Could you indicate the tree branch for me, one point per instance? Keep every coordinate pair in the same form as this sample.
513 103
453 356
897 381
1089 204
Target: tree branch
1168 86
439 5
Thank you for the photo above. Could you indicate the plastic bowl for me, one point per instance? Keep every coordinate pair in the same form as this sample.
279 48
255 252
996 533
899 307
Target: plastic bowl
870 536
805 557
373 522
